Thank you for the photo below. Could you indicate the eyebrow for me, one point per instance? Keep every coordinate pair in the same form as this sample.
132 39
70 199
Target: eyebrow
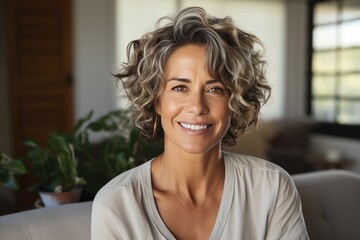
186 80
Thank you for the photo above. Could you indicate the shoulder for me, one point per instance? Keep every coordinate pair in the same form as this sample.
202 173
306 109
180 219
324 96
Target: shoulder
251 163
120 202
269 190
257 169
126 184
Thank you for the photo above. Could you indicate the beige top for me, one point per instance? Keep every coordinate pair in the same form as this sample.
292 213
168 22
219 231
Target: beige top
259 201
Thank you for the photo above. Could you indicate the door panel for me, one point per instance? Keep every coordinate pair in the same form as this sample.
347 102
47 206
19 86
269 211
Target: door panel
40 66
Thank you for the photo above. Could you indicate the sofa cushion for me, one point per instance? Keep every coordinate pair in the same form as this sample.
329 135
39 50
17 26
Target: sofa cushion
69 221
331 203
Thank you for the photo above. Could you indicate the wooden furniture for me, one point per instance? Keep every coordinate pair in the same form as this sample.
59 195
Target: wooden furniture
39 52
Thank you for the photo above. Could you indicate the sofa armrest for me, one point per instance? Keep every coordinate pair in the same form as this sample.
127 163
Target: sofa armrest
69 221
331 203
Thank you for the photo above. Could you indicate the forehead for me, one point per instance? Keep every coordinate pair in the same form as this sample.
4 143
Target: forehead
187 57
191 51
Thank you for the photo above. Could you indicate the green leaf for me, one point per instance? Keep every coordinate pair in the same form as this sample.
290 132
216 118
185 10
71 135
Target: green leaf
31 144
16 167
57 142
81 121
82 139
97 126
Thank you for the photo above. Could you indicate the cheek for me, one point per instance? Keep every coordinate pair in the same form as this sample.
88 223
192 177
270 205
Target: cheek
222 108
168 107
225 114
227 119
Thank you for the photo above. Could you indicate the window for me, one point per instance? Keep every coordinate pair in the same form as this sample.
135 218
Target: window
334 79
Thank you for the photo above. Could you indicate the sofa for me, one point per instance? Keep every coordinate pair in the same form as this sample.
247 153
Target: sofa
285 142
331 204
331 207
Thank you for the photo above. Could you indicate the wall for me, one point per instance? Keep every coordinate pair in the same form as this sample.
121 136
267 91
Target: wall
132 22
295 65
94 56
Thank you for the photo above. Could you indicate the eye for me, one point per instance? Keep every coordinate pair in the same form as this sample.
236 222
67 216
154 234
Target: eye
180 88
217 90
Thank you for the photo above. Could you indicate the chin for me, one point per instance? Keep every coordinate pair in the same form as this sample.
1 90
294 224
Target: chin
196 149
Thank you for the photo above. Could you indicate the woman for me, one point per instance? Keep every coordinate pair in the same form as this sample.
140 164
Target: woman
197 82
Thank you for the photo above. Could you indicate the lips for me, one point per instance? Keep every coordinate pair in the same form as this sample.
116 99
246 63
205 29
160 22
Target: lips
195 127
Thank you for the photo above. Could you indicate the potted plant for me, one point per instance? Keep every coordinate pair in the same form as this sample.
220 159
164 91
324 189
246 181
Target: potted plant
121 148
55 170
8 169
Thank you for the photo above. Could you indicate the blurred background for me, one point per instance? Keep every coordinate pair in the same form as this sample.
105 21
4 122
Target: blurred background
57 56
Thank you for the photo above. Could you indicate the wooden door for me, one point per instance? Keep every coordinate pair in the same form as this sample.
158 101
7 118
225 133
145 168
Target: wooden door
40 71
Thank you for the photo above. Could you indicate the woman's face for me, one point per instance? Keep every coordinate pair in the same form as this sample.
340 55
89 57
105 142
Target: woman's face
193 106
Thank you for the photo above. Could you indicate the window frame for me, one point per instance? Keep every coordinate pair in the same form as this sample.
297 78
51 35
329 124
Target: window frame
322 127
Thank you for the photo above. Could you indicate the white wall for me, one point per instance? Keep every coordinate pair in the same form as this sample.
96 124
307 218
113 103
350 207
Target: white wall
132 22
296 57
94 56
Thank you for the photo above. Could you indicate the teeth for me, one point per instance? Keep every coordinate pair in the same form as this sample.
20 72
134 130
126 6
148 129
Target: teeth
193 127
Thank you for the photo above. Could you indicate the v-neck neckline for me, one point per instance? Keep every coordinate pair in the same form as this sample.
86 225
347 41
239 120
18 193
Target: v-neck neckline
224 209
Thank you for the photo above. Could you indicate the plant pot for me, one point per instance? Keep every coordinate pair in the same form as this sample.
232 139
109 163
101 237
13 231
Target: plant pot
53 199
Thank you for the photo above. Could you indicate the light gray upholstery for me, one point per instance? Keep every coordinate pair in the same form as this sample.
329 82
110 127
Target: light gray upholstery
66 222
331 204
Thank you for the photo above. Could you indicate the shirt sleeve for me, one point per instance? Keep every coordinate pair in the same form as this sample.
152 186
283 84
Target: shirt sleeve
287 221
103 222
118 213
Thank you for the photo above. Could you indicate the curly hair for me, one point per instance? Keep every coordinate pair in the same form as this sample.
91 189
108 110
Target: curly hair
234 57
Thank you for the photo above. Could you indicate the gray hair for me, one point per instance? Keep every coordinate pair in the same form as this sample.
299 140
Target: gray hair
233 56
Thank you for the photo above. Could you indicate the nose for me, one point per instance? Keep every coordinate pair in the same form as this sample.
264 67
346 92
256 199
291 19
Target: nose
197 104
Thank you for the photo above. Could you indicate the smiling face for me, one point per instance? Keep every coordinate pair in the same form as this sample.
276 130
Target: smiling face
193 105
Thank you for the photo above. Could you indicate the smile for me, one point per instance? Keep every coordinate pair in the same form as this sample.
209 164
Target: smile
194 127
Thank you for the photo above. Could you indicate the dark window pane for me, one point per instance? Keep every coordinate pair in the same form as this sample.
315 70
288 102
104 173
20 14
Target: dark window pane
350 10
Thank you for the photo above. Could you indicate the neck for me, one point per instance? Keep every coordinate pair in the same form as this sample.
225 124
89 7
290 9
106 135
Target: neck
192 176
185 166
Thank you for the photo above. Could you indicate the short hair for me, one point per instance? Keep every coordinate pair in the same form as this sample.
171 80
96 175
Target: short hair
234 57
